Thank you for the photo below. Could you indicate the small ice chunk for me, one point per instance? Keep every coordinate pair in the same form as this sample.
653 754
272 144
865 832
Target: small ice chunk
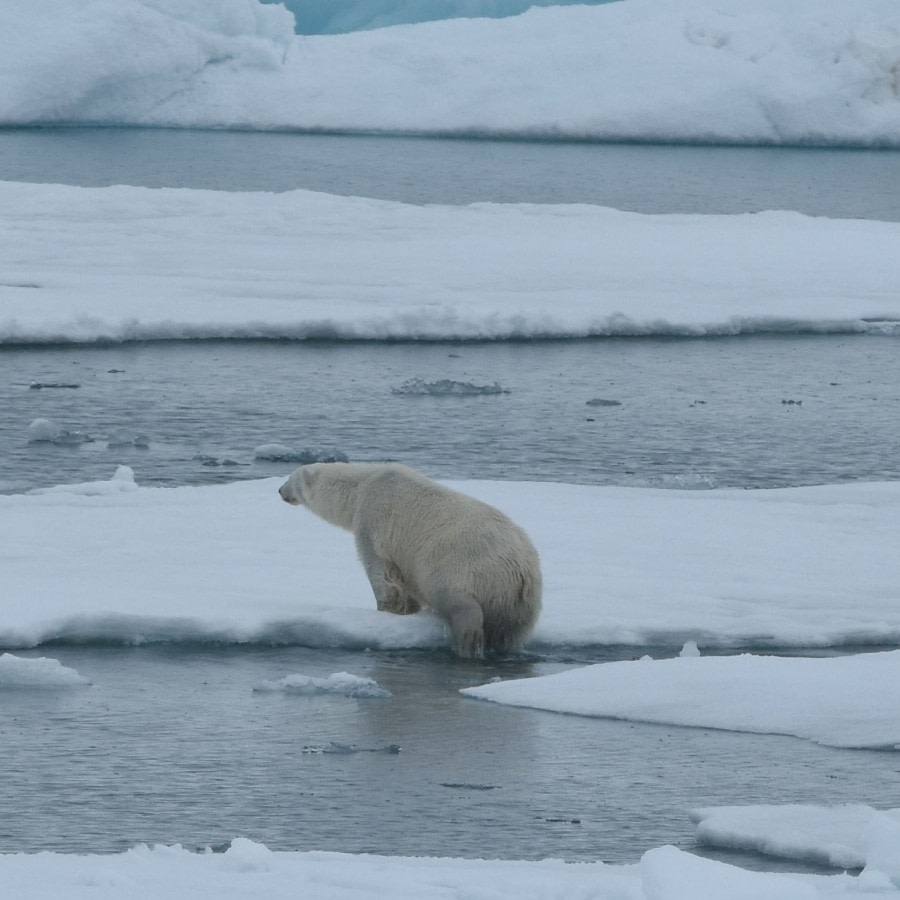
281 453
446 387
276 453
72 438
121 437
41 672
690 649
342 683
41 430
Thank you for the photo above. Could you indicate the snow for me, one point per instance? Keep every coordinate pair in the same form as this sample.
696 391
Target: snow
812 566
662 70
21 672
341 683
128 263
843 701
251 869
847 836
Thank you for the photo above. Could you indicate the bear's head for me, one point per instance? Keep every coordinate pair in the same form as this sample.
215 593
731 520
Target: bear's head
296 489
328 489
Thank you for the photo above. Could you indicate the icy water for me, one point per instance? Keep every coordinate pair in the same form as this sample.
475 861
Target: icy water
172 744
643 178
692 413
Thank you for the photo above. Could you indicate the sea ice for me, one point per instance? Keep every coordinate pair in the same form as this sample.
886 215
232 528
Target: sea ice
122 481
283 454
493 270
846 836
43 430
247 868
841 701
41 672
342 683
637 566
446 387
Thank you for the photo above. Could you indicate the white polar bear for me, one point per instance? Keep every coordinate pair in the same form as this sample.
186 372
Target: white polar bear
424 545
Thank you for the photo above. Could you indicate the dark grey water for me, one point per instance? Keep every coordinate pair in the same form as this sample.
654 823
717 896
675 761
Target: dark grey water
765 411
644 178
172 744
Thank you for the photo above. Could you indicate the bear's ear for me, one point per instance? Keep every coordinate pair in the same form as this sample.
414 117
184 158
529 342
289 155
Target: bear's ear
306 475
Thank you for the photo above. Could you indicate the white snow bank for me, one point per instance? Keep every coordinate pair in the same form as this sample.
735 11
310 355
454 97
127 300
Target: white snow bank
844 701
665 70
342 683
847 836
17 671
797 566
127 263
251 869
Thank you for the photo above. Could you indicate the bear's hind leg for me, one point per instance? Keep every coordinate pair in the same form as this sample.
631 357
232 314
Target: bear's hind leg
463 614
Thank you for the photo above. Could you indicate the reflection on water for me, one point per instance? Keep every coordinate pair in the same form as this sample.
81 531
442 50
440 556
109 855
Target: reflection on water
757 411
173 744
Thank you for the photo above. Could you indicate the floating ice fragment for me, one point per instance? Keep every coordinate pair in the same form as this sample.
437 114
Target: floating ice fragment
283 454
468 786
343 749
72 438
47 431
122 437
41 430
690 649
339 683
41 672
599 401
40 385
446 387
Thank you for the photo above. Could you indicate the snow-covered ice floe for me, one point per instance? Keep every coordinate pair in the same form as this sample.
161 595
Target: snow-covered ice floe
842 701
653 70
342 683
251 869
850 836
28 672
129 263
812 566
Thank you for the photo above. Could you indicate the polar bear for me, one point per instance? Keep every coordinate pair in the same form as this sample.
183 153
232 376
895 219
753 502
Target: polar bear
424 545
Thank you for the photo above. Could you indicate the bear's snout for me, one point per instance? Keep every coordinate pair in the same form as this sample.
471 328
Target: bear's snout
287 494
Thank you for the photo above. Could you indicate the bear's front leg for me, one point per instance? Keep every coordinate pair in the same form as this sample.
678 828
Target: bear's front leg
390 593
399 598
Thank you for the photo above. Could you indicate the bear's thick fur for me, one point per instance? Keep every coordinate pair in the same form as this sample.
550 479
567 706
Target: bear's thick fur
425 545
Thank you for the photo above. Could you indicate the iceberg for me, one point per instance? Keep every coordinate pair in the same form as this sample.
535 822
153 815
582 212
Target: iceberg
22 672
769 72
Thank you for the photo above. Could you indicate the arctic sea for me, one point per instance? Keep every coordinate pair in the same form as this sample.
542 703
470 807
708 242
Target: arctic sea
172 744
